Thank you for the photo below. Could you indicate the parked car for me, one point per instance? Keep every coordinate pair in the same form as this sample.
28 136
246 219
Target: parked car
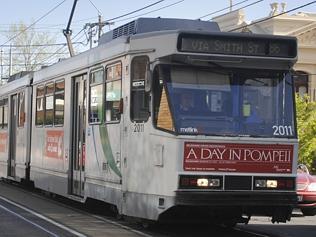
306 191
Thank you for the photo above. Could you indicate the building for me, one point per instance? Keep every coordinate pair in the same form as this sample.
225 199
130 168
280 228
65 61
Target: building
301 25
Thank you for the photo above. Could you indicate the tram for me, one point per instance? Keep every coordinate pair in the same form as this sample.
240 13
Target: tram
165 117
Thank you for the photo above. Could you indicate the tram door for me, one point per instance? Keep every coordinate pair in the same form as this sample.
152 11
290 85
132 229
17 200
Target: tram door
12 136
78 135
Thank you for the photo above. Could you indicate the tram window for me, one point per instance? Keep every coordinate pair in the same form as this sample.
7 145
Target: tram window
1 116
39 120
5 113
21 109
139 98
96 96
113 93
162 114
49 104
59 103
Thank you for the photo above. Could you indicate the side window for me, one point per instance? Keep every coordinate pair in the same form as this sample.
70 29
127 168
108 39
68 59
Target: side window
59 102
113 92
21 109
139 98
96 96
39 120
1 114
49 104
5 113
161 109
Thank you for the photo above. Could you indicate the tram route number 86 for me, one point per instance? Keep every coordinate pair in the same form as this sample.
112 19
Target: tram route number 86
282 130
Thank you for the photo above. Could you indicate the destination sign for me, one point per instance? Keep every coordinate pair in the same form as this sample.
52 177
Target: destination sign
233 45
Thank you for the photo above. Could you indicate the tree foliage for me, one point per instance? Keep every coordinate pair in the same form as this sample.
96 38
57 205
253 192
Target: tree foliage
29 57
306 125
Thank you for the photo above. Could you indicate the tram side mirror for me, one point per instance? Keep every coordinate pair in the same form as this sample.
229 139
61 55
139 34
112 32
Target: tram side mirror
148 79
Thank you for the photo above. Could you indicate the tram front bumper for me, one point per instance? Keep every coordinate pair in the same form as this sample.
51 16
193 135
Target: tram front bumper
237 198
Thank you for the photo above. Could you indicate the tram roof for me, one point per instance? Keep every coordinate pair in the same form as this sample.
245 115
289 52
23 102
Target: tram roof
13 85
146 25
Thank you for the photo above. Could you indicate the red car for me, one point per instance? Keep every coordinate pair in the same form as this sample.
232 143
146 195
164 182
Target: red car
306 191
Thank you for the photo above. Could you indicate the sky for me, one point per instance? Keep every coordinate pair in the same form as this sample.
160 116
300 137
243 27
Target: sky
29 11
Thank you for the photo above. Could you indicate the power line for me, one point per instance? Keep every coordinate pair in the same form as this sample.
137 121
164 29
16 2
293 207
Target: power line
212 13
58 50
268 18
172 4
99 12
34 45
39 19
132 12
251 4
25 53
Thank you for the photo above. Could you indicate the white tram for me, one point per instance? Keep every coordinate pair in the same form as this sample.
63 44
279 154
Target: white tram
164 117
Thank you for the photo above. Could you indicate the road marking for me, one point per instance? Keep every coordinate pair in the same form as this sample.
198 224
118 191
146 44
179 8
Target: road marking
28 221
250 232
39 216
122 226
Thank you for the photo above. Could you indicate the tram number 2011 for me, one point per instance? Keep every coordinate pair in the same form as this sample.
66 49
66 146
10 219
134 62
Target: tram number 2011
138 127
282 130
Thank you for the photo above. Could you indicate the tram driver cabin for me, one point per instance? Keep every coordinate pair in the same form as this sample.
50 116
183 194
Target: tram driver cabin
107 124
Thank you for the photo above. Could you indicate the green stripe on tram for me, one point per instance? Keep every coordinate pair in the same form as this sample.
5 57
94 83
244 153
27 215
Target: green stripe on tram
106 146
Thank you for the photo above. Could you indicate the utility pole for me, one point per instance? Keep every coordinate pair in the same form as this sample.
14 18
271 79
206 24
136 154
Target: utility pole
99 25
10 60
230 5
1 73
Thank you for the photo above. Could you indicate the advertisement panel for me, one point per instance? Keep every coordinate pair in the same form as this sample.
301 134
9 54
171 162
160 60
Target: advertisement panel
54 147
3 142
229 157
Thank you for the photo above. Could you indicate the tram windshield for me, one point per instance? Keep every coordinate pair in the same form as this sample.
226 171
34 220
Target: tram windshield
224 102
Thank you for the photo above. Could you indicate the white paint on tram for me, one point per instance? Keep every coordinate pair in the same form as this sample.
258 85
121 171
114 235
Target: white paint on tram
39 216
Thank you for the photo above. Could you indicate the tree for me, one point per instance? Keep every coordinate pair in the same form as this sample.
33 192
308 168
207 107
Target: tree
306 126
26 56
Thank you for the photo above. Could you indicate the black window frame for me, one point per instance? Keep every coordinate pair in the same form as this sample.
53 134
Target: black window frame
96 69
41 86
49 94
106 82
5 118
3 105
21 116
59 93
146 95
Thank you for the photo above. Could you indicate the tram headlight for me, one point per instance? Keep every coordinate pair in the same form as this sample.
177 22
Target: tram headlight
202 182
272 183
266 183
198 182
214 182
260 183
278 183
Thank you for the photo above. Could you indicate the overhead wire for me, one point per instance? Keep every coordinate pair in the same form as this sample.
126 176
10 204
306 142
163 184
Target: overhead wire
61 48
146 13
138 10
271 17
251 4
223 9
39 19
34 45
99 12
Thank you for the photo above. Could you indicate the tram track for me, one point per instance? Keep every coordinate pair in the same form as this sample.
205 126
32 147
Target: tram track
108 218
